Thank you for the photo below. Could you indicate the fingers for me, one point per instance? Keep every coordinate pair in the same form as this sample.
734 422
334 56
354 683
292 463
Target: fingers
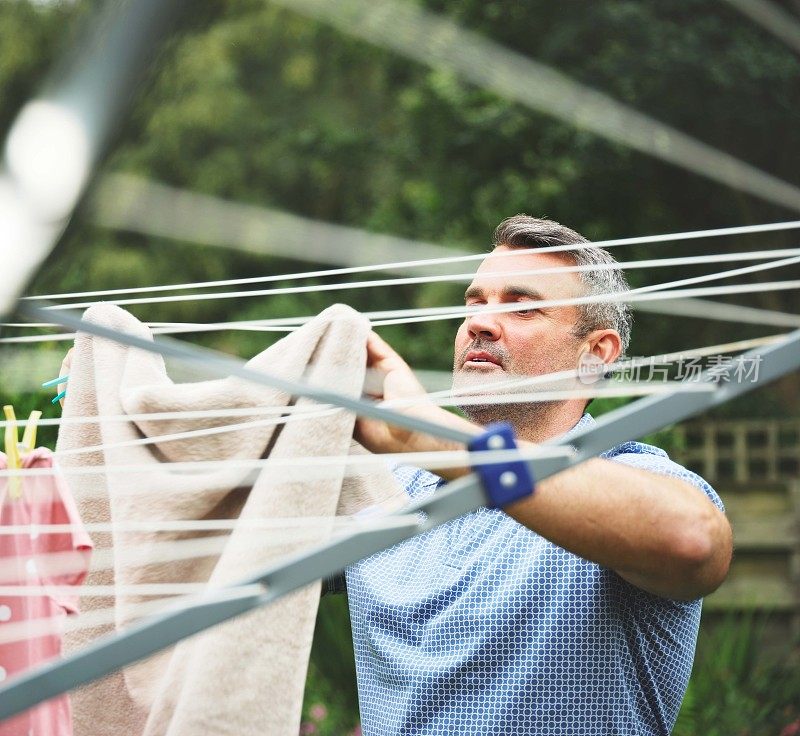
373 383
65 368
380 354
66 363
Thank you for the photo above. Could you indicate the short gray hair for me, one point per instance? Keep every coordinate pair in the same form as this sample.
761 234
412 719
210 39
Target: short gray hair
523 231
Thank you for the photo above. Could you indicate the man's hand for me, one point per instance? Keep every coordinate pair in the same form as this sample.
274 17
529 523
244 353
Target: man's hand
390 379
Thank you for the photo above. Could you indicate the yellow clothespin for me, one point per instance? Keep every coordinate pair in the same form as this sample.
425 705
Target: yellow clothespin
13 445
29 438
13 459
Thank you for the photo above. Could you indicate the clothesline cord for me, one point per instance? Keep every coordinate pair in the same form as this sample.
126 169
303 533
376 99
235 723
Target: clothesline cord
639 240
108 616
555 395
521 381
625 364
441 400
362 463
409 316
224 365
459 312
411 280
362 520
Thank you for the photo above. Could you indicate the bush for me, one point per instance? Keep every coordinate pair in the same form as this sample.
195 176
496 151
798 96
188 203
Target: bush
736 689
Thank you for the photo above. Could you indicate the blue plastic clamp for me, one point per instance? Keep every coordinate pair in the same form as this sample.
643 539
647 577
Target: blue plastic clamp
503 482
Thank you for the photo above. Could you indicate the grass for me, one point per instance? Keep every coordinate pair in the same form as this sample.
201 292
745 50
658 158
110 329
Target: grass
738 690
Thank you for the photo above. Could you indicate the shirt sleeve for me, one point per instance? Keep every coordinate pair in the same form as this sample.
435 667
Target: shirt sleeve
655 460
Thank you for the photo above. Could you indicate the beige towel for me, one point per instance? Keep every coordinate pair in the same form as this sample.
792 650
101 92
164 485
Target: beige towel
246 676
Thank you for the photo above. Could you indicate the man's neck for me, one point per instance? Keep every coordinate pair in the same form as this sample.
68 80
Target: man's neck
559 420
537 423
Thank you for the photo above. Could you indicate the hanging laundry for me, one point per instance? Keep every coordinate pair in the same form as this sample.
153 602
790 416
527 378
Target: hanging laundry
34 558
245 677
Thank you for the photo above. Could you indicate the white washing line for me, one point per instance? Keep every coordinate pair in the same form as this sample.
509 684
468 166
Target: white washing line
69 562
90 591
203 525
447 397
742 271
622 365
194 433
710 310
383 283
409 316
54 564
292 470
626 389
442 398
323 410
255 411
633 296
361 464
14 631
281 531
690 235
442 313
314 410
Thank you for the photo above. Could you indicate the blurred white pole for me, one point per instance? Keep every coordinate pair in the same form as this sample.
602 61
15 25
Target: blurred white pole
57 139
439 42
125 202
773 18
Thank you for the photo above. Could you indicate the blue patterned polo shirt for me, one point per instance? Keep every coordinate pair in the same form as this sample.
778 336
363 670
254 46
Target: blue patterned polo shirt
481 626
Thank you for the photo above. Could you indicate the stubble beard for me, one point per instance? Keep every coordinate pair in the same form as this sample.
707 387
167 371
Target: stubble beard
521 415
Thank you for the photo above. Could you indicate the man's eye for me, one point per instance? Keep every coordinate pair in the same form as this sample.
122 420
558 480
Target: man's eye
525 312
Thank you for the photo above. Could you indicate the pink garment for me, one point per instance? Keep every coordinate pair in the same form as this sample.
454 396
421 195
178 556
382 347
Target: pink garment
31 625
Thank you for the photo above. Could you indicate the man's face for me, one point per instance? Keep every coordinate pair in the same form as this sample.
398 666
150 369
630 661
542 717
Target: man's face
491 348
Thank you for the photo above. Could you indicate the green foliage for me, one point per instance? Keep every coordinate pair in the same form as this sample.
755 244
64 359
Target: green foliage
737 690
330 703
666 438
29 37
264 106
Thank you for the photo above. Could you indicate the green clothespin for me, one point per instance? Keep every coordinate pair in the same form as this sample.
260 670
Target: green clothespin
55 382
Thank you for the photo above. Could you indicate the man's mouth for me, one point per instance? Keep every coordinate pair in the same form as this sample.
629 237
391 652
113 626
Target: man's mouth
478 357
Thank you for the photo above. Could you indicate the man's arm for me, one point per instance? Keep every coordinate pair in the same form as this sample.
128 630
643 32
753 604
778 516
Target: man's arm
657 532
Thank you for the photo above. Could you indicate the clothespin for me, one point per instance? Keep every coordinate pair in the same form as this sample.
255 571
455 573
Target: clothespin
55 382
29 438
13 445
13 459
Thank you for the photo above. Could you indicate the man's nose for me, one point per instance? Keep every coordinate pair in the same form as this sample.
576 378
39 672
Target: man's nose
484 325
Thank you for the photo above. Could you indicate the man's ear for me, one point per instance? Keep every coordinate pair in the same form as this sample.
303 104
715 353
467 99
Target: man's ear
605 345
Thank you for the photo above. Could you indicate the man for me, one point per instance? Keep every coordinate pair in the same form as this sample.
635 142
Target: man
572 611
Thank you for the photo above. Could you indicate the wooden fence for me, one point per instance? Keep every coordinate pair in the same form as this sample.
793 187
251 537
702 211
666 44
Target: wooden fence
755 467
741 451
